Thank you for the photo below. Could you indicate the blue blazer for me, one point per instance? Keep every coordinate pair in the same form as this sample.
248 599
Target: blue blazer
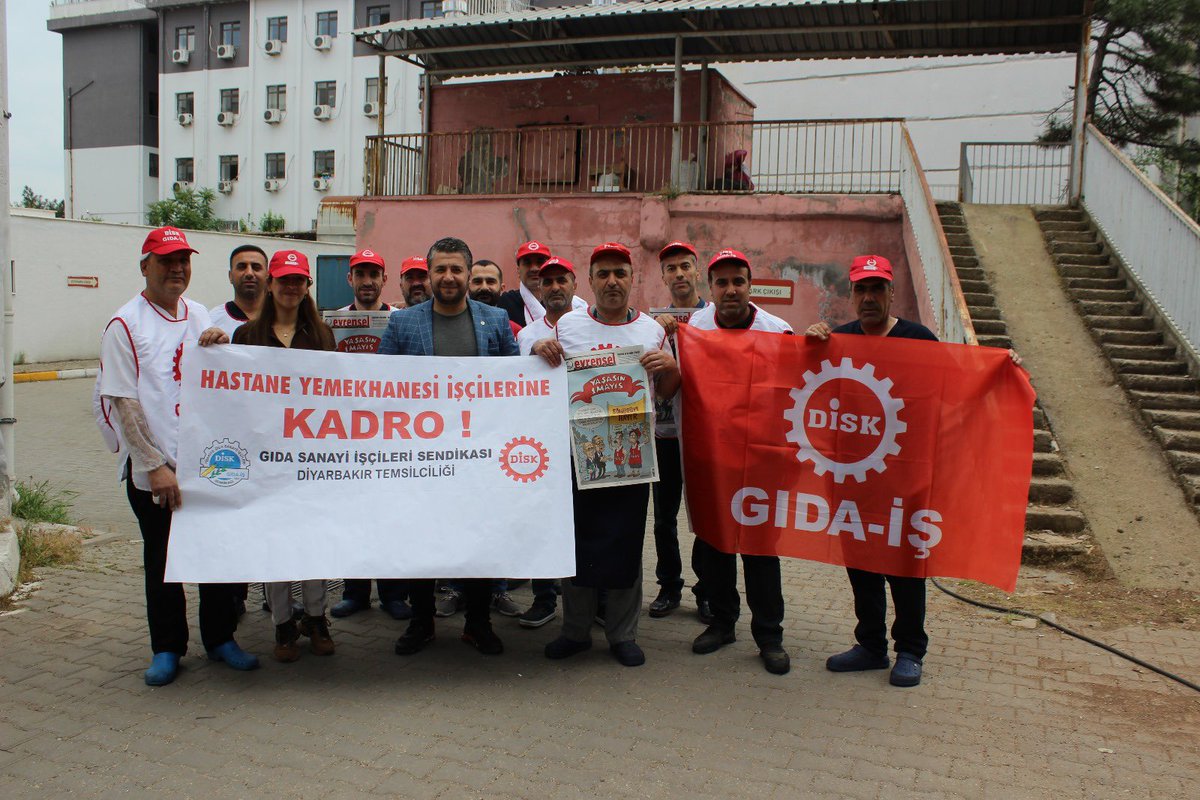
410 331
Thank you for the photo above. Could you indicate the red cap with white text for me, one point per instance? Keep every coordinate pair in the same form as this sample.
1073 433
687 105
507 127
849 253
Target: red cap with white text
367 256
728 256
870 267
532 249
413 262
560 263
677 247
615 249
289 262
162 241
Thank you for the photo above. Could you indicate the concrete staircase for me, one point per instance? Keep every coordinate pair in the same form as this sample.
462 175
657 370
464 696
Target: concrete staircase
1144 354
1055 531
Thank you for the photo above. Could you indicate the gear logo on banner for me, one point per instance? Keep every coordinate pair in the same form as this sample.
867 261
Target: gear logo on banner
845 421
524 459
225 463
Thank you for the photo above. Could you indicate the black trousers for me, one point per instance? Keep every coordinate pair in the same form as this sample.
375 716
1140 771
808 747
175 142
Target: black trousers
476 591
870 606
359 590
764 591
667 494
166 608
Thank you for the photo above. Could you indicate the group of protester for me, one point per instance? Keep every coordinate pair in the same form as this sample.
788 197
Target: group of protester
456 306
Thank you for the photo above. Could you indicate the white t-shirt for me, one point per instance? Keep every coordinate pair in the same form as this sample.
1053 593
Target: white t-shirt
140 357
221 317
533 333
579 331
706 320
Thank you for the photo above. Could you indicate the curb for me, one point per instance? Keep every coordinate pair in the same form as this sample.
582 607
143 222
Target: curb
10 559
56 375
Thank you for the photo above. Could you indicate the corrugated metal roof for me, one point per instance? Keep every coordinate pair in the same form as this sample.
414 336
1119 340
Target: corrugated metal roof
645 33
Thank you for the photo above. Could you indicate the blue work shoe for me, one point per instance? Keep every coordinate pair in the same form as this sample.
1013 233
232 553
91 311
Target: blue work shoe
163 669
396 609
347 606
627 653
234 656
856 659
907 671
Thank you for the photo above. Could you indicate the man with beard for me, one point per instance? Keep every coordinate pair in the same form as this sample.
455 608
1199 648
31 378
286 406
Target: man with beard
414 280
524 304
610 522
451 324
486 285
248 275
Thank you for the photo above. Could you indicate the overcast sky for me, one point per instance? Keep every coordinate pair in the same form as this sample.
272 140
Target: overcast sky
35 100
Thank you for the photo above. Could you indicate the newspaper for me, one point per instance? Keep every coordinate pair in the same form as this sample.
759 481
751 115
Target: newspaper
357 331
665 411
612 418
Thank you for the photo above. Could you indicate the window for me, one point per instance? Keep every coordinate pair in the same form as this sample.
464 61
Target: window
277 97
326 94
152 169
276 166
185 103
229 168
431 9
322 163
326 23
184 170
229 100
378 15
231 33
373 89
277 28
152 102
185 38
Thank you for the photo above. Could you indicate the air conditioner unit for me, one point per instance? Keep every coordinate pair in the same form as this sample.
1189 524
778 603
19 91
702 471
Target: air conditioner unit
272 184
226 118
180 56
224 187
273 115
323 42
179 186
322 112
273 47
322 183
226 52
371 109
185 119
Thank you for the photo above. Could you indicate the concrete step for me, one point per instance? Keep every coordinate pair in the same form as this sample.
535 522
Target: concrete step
1191 488
1110 284
1184 462
1160 383
1043 442
1084 235
1100 260
1043 548
1105 323
957 251
990 327
985 312
1077 248
1039 419
1158 352
1060 215
1055 519
1093 308
1129 366
1103 295
976 299
1175 420
1129 337
974 287
1064 225
1048 464
1094 271
958 239
994 341
963 262
1172 439
1050 491
948 207
1149 400
970 274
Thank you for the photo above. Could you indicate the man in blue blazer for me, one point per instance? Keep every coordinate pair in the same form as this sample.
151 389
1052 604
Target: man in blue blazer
450 324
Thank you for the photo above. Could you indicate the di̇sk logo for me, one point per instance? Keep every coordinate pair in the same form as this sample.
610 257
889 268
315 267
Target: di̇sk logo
524 459
845 421
225 463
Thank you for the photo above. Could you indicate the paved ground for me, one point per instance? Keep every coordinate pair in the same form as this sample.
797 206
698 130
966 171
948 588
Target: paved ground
1005 712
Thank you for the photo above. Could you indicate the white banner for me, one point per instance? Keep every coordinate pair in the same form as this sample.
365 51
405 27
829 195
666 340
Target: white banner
297 464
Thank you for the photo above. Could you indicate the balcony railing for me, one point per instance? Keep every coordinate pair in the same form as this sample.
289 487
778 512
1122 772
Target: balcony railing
1024 173
836 156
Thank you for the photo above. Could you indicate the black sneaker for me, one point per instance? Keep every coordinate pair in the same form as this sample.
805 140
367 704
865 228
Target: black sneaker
628 654
483 639
538 615
414 639
562 647
713 639
666 602
775 659
704 611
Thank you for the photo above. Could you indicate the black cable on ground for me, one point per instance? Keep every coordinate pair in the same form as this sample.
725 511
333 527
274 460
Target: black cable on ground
1082 637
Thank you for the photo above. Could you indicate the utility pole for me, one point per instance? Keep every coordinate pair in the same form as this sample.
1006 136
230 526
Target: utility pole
6 346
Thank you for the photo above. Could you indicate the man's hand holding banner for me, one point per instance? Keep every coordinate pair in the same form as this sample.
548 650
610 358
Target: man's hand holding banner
896 456
302 464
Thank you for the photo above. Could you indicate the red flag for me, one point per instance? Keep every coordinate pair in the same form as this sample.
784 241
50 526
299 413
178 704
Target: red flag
897 456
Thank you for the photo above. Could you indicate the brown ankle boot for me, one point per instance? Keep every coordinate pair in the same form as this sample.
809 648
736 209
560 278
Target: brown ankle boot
317 631
286 649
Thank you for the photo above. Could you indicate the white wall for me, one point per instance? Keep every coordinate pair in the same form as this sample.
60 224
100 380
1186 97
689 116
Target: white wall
103 184
54 322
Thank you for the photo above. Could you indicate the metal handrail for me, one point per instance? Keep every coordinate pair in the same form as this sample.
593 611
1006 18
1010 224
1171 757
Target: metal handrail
1024 173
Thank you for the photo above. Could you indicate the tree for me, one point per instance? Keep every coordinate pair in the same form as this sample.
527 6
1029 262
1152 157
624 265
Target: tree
31 199
189 208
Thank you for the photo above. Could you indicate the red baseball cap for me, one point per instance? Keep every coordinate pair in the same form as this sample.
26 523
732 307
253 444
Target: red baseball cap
532 248
561 263
413 262
612 249
162 241
732 256
289 262
870 267
676 246
367 256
